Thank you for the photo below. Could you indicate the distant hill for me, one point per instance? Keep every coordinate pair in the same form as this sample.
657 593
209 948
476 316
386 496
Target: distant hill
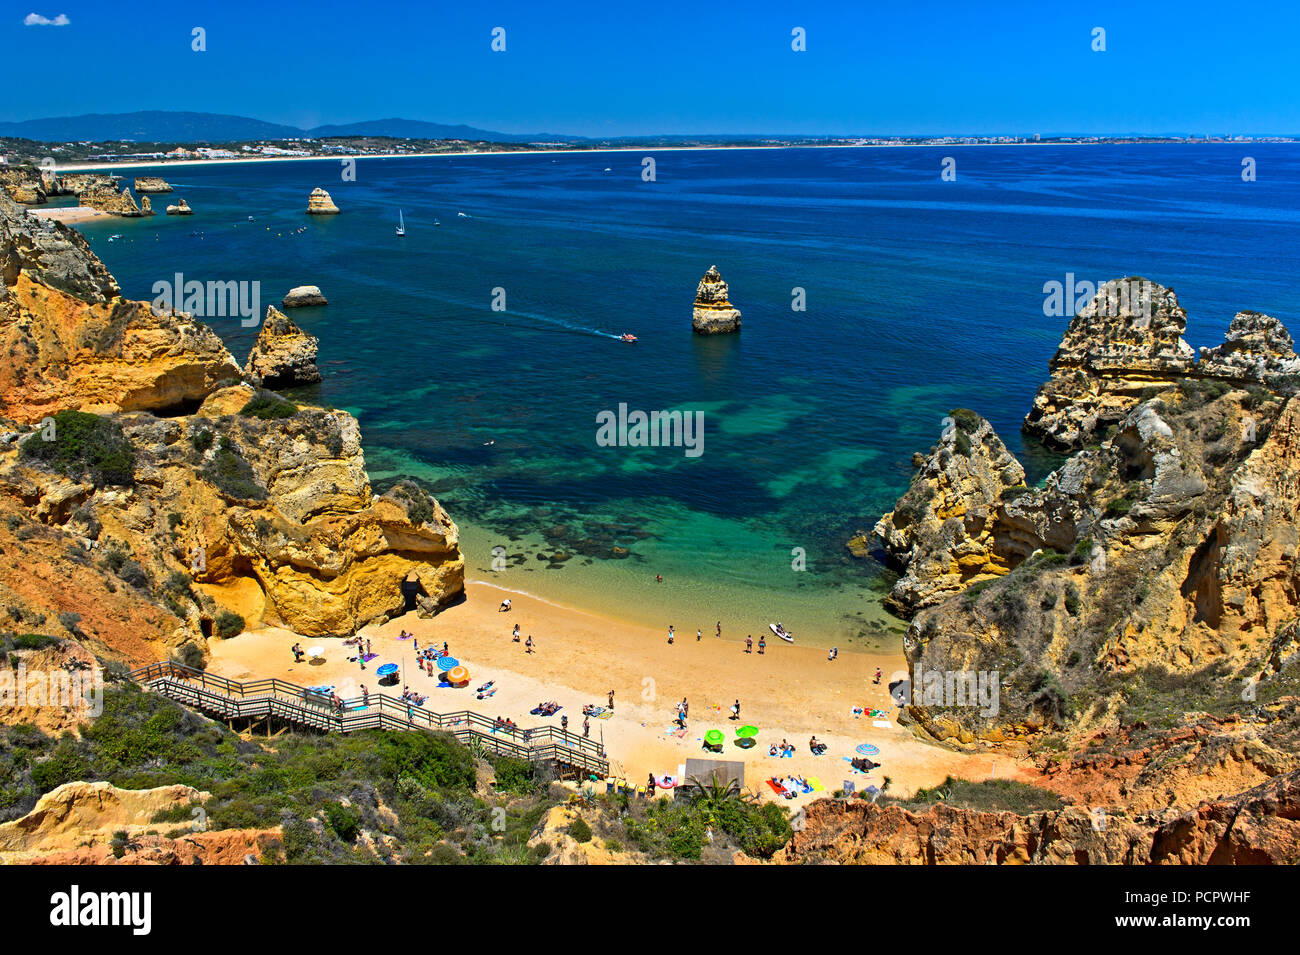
160 126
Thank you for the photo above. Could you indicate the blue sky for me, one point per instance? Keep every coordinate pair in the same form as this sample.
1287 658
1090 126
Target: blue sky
623 67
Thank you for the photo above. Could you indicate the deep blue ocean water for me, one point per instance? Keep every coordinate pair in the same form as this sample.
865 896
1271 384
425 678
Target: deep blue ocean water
921 295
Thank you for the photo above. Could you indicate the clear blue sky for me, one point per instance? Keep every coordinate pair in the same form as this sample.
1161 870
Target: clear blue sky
627 67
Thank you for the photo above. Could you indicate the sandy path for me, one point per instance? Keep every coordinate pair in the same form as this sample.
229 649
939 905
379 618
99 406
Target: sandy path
789 692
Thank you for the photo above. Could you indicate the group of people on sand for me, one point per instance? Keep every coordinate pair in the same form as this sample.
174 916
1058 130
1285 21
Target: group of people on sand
427 658
749 643
528 644
785 749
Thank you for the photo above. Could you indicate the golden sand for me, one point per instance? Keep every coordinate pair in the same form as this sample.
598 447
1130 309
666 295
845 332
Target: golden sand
790 692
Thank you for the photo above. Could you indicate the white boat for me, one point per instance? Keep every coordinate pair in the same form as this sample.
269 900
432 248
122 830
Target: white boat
401 223
462 215
781 632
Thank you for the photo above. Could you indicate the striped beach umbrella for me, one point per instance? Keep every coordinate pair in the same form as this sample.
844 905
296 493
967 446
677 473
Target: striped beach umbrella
447 663
714 737
458 674
388 669
866 749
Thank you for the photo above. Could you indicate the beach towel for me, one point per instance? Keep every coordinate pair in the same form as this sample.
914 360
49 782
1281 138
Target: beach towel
777 788
816 784
881 724
607 715
878 714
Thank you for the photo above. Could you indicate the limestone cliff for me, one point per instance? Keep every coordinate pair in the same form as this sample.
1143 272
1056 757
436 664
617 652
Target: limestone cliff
1164 554
108 199
283 355
236 501
714 314
941 533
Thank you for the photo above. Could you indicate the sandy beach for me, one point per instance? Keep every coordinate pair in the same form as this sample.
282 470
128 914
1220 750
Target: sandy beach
789 692
69 214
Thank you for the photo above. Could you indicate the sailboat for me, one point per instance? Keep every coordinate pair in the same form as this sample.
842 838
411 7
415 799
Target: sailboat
401 223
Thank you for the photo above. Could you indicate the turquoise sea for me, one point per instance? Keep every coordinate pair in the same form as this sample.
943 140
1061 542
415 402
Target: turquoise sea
921 295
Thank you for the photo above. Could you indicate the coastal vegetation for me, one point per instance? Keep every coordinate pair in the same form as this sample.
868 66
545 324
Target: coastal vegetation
83 447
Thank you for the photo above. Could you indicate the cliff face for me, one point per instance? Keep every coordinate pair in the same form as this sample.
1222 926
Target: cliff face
1163 555
941 532
714 314
264 509
152 184
108 199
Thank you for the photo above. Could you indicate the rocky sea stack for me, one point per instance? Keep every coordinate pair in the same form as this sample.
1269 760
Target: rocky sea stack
714 314
181 208
152 184
302 296
320 203
284 355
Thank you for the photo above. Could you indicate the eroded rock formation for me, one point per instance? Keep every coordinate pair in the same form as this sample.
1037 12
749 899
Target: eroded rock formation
284 355
714 314
320 203
182 208
152 184
108 199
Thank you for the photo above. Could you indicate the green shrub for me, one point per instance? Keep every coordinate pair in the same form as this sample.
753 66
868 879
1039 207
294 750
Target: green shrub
579 830
202 439
268 406
229 624
85 446
232 475
965 420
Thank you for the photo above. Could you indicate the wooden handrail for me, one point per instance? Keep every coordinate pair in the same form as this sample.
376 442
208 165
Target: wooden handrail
276 697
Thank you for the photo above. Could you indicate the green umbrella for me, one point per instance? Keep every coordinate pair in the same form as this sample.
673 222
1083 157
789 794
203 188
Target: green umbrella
714 737
745 732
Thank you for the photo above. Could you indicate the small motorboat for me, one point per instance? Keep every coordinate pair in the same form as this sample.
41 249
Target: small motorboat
462 215
627 338
401 223
782 632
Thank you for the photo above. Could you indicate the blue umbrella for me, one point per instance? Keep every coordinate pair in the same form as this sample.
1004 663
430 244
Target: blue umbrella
388 669
866 749
447 663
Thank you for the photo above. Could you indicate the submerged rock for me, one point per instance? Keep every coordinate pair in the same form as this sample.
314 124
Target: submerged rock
320 203
714 314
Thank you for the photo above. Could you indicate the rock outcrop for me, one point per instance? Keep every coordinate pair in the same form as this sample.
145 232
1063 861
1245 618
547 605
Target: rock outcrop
714 314
23 184
152 184
76 344
275 499
108 199
301 296
320 203
182 208
1125 341
941 534
283 355
1258 827
1258 350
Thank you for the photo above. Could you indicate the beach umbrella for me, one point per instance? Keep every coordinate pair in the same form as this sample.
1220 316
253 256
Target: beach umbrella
447 663
388 669
458 674
747 732
866 749
714 737
316 652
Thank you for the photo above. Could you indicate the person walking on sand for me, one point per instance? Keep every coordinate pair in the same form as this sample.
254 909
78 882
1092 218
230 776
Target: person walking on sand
671 634
835 651
528 644
365 695
564 724
611 701
367 646
762 644
749 643
516 633
878 676
586 727
735 710
699 635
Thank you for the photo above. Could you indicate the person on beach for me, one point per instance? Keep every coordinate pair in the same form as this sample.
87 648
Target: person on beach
835 651
365 695
671 634
516 633
367 646
686 707
735 710
611 701
415 645
816 747
659 578
762 644
505 606
564 723
528 644
719 629
445 652
361 659
586 727
749 643
878 675
650 785
297 653
699 635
